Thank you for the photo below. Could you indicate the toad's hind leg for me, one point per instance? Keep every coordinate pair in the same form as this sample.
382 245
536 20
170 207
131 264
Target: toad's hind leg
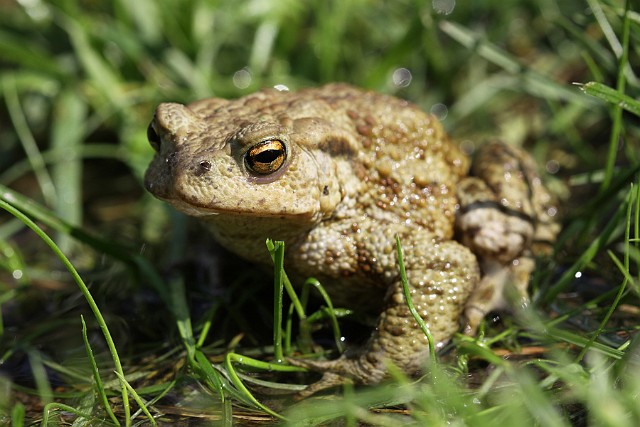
441 276
505 214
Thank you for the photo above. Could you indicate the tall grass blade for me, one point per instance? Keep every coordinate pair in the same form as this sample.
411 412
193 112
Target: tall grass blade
138 399
623 55
278 285
535 83
67 135
31 149
17 415
102 394
85 292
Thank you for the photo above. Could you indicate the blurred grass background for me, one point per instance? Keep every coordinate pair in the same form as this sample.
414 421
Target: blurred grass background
79 82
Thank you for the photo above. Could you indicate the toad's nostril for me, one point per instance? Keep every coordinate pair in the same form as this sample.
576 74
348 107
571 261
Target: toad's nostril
153 137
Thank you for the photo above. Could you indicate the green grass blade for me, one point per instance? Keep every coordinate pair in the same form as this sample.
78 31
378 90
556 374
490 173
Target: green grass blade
101 74
40 376
55 406
469 346
102 394
81 152
145 15
28 54
180 308
261 365
598 57
67 134
287 284
580 341
592 250
138 399
619 49
407 296
541 408
108 247
233 376
207 323
31 149
85 292
17 415
630 203
305 344
210 375
534 83
278 285
612 96
623 55
47 217
330 312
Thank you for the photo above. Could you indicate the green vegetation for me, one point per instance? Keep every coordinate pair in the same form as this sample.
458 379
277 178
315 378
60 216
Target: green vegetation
115 312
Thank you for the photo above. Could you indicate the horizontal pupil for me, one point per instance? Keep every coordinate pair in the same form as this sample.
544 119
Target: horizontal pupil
267 156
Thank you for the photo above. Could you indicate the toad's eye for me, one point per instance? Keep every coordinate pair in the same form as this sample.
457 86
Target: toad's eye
153 137
266 157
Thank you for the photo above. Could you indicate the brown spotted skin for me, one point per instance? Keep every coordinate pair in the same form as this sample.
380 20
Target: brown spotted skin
337 172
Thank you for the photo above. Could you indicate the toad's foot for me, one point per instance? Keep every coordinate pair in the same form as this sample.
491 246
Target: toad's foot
503 287
361 370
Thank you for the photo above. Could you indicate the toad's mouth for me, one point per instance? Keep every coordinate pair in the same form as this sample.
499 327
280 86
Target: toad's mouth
199 210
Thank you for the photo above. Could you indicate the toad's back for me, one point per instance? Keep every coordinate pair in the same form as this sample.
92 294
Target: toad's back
395 163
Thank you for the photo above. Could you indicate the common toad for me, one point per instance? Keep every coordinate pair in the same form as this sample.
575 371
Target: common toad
337 172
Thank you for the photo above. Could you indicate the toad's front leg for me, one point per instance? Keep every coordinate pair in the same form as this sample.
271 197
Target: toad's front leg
441 276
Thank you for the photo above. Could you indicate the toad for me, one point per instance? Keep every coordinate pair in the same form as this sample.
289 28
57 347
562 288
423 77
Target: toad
337 173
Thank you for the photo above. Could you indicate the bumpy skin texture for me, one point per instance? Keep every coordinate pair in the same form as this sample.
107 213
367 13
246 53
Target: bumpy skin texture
337 172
